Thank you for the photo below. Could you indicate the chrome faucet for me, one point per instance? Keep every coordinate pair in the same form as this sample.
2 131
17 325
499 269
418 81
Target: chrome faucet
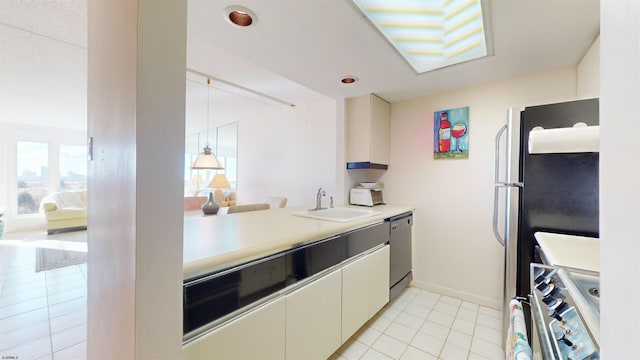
319 196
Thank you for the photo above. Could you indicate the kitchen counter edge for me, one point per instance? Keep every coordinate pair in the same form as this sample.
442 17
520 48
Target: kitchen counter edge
214 243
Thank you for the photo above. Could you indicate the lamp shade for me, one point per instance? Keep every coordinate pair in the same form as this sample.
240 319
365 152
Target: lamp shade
206 160
219 181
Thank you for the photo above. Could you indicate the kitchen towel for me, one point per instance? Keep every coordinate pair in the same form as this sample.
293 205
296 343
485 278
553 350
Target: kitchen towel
576 139
517 346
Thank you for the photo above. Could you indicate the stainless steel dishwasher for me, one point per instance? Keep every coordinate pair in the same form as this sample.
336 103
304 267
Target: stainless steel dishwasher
400 253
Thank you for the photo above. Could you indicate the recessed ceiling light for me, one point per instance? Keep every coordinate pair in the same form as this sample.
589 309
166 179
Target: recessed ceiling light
349 79
240 16
430 34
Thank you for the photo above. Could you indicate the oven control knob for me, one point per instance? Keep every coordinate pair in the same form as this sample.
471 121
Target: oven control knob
567 342
551 302
542 279
557 316
546 289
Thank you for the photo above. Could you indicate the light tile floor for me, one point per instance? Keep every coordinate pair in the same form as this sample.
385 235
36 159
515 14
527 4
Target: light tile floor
43 316
420 324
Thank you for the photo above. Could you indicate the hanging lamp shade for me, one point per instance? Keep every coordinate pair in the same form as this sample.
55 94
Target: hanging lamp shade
206 160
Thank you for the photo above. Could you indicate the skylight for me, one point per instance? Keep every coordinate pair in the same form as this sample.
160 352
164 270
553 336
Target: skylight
430 34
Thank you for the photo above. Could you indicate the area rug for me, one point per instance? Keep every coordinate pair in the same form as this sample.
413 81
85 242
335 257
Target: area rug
48 259
59 250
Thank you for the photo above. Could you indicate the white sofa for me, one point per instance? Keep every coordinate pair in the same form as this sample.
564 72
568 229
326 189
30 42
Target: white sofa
65 211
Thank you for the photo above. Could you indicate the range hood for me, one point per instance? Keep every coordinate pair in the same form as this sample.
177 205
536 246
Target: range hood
366 165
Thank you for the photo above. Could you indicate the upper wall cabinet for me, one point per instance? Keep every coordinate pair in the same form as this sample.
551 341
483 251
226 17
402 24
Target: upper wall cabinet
368 132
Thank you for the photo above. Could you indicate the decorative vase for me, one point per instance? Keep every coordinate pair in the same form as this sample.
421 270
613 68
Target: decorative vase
210 207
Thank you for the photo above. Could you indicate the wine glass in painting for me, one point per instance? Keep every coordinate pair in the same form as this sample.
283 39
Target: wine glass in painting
458 131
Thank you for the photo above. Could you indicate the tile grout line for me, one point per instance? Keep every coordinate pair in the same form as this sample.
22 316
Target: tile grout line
475 325
417 331
411 301
46 290
450 328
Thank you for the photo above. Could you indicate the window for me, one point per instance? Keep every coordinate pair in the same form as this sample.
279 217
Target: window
73 167
33 175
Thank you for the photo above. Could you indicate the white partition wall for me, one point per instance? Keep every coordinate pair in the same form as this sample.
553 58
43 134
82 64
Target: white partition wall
136 107
619 170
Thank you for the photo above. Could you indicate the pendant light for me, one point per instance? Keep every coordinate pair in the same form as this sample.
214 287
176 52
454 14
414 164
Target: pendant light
206 159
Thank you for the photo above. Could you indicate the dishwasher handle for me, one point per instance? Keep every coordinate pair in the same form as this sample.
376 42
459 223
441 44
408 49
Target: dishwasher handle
401 221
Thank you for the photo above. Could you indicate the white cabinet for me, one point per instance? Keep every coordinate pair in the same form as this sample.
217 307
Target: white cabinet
310 322
313 319
259 334
355 297
378 280
365 290
368 127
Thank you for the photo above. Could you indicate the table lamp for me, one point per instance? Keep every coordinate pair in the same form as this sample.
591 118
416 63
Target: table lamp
219 181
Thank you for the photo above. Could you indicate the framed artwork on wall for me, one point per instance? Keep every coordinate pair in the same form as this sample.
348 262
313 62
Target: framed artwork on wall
451 133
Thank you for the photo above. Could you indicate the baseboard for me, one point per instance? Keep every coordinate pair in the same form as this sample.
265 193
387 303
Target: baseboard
481 300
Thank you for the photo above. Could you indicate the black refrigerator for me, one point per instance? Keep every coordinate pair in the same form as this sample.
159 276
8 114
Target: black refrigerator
560 192
551 192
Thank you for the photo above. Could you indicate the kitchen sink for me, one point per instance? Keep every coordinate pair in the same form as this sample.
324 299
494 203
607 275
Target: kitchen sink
338 214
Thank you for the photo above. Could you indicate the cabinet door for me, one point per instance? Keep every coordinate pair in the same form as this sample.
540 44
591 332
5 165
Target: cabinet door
368 129
355 296
358 128
365 290
260 334
378 280
313 319
380 130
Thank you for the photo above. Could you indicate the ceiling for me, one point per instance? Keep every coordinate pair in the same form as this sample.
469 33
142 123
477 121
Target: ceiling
297 51
316 43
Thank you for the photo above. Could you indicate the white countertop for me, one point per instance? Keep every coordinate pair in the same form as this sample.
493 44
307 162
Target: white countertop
218 241
578 252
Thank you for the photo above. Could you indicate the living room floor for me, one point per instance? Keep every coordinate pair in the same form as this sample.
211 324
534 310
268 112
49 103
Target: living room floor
43 314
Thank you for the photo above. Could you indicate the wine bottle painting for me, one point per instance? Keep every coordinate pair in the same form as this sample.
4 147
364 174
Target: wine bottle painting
451 134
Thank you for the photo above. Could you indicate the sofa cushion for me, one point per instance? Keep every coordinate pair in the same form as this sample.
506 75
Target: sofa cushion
69 200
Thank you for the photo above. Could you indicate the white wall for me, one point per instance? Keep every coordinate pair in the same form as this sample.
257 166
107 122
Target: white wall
454 248
136 108
290 153
588 84
619 171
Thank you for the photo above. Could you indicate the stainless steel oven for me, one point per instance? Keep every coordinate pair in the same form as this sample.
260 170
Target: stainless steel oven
565 312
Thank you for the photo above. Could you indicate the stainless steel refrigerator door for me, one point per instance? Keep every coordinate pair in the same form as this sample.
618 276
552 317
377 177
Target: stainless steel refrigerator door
506 200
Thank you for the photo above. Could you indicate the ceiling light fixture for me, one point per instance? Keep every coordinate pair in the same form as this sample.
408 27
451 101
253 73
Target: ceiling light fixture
206 159
240 16
349 79
430 34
